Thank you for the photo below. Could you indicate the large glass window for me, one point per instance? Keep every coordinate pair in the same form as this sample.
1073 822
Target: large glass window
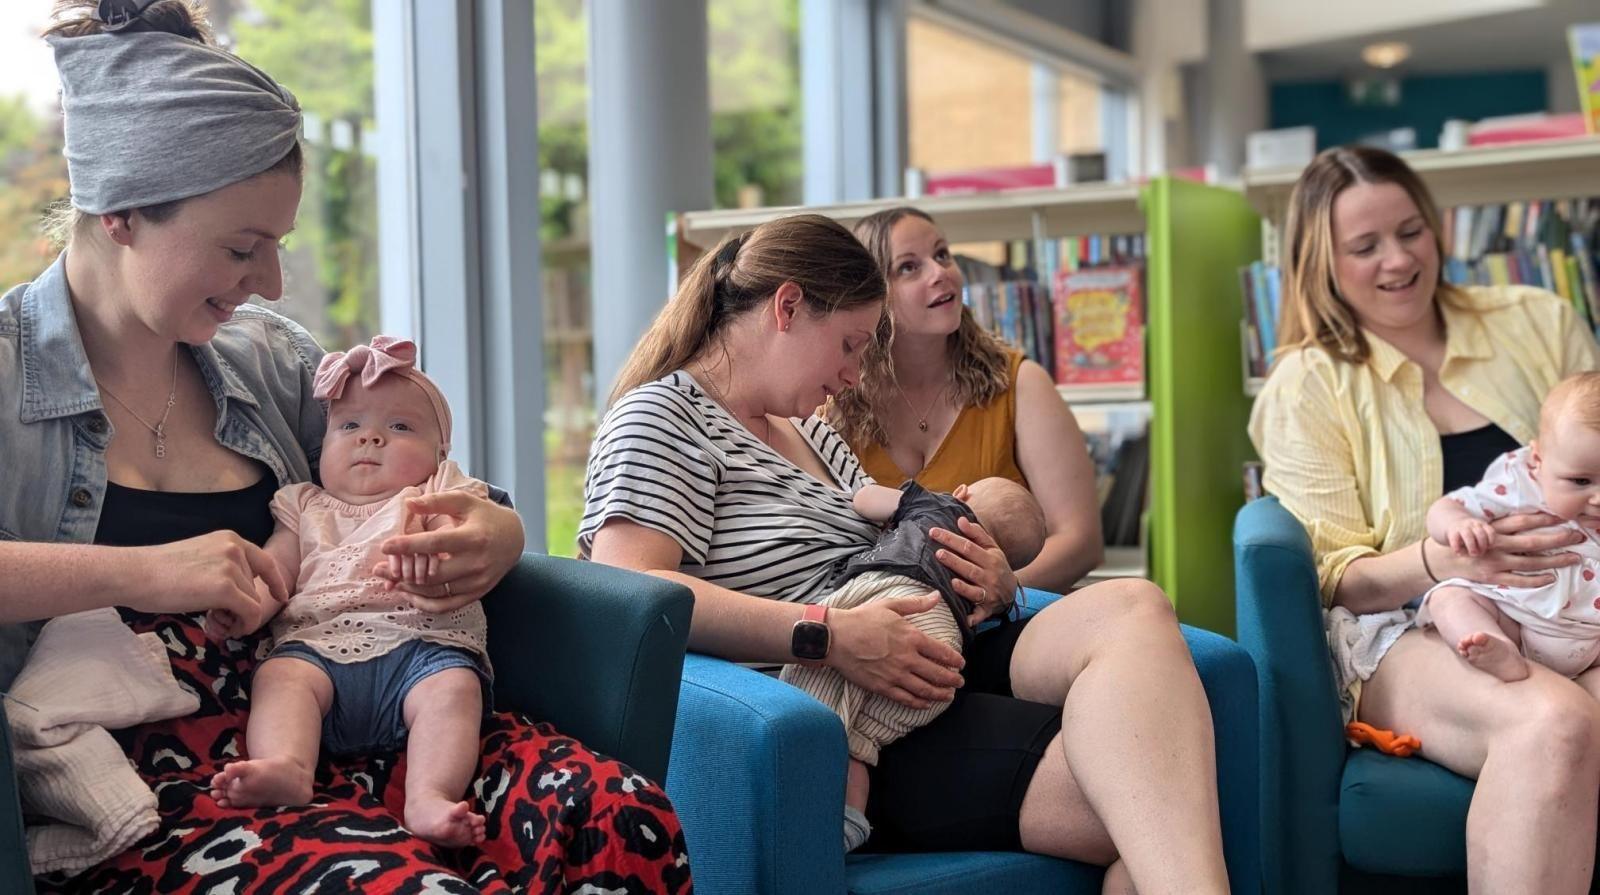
561 54
755 102
974 104
319 49
755 122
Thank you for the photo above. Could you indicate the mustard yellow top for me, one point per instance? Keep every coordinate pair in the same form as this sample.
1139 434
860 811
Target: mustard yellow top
981 443
1349 449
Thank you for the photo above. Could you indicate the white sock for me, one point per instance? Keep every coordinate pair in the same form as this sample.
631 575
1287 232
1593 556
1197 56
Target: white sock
856 829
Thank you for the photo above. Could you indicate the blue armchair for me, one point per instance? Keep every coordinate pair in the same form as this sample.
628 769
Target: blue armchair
1327 809
757 776
595 650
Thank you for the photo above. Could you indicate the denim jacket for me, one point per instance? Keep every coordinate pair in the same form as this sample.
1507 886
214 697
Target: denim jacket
54 432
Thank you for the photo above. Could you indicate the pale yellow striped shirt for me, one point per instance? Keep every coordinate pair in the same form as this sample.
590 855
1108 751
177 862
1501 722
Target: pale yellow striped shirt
1351 452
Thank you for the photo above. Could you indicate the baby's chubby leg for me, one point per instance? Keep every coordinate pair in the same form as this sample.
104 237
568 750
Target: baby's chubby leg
1483 635
443 713
288 699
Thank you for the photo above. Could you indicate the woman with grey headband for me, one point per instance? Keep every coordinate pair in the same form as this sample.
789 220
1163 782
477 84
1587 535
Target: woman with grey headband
156 412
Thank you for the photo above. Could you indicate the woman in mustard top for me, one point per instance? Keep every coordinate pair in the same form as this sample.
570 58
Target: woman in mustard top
944 402
941 401
1393 387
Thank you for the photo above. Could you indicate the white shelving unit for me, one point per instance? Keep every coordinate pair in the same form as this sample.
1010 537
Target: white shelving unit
1016 214
1480 175
1120 562
1101 394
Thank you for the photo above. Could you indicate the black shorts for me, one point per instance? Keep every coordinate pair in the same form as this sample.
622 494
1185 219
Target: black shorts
958 783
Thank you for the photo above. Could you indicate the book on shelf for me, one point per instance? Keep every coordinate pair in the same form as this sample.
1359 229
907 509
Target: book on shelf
1253 488
1118 437
1584 40
1549 244
1011 303
1015 301
1261 286
1099 327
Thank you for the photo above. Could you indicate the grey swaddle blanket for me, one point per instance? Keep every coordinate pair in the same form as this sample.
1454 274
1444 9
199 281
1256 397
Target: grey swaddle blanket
151 117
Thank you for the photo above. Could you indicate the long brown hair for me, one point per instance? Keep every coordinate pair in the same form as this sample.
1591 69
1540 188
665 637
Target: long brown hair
980 367
1313 311
185 18
831 268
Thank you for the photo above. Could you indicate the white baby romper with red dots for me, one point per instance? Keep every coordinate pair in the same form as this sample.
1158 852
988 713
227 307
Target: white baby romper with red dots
1560 621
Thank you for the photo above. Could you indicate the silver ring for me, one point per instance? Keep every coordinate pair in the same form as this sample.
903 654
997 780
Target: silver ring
447 589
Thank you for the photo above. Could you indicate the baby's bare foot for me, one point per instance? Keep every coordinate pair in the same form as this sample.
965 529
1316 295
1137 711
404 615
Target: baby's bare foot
261 782
443 822
1493 655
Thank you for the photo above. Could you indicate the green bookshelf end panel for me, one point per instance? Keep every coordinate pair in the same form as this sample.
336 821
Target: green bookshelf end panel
1199 237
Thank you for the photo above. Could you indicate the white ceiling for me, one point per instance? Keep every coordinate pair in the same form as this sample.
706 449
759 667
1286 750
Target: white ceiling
1282 24
1532 37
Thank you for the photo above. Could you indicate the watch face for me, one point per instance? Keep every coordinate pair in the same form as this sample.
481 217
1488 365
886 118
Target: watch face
809 641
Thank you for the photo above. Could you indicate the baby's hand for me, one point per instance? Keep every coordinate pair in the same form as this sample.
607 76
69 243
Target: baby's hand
222 624
1471 537
420 569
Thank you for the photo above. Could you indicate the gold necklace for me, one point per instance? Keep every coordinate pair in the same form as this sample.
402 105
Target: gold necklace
922 418
721 399
159 430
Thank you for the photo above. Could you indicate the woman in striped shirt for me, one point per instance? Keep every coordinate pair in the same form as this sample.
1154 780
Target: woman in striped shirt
1392 388
711 470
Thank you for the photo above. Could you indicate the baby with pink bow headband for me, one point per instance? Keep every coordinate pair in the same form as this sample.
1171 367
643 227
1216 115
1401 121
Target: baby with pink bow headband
355 667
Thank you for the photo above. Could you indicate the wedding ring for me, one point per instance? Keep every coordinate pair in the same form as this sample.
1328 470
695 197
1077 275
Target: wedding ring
447 589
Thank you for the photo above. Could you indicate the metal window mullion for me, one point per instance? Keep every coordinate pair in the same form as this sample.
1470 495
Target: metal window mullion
394 89
511 359
448 269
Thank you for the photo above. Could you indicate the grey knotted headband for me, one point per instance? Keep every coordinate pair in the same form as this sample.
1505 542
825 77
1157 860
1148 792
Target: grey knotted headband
152 117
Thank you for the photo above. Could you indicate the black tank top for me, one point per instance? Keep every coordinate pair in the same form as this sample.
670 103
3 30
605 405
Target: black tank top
1467 455
133 517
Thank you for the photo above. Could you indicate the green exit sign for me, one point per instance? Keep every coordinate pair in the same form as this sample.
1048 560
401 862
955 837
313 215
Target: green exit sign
1373 91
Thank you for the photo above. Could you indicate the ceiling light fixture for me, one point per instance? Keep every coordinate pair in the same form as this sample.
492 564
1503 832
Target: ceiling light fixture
1387 54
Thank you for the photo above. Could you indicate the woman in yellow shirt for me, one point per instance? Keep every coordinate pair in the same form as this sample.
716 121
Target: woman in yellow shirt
941 401
1393 387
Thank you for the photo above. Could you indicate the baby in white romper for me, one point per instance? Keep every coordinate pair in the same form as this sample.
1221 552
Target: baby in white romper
1558 624
355 667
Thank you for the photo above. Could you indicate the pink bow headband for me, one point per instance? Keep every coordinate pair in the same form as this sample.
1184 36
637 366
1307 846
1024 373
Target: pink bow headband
386 355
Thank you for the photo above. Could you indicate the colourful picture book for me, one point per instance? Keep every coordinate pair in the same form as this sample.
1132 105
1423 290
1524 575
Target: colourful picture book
1099 327
1585 41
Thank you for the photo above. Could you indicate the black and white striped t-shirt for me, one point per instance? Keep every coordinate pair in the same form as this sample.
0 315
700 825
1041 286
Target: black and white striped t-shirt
668 457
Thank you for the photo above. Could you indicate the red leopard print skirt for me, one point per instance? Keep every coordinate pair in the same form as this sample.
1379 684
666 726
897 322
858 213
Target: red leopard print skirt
560 818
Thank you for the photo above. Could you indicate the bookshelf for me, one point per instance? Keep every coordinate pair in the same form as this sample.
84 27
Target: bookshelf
1196 237
1480 175
1476 176
991 217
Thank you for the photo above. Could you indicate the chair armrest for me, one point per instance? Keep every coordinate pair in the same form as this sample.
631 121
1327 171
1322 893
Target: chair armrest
758 781
16 874
595 650
1302 742
1229 679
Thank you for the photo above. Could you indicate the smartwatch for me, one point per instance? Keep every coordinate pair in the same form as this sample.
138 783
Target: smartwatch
809 640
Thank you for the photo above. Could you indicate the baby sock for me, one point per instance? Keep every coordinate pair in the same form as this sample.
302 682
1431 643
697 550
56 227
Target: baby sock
856 829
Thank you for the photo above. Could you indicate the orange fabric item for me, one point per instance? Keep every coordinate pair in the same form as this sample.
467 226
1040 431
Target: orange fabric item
981 443
1385 741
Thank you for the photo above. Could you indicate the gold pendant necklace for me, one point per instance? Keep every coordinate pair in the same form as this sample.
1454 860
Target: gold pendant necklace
922 418
159 430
